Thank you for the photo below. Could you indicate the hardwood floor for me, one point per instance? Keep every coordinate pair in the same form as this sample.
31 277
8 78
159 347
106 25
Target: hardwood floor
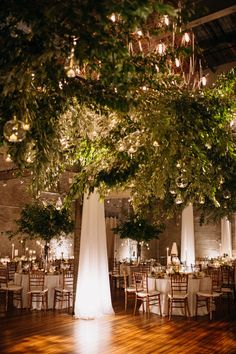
58 332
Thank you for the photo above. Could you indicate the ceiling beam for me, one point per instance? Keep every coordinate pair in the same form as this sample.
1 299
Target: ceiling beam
211 17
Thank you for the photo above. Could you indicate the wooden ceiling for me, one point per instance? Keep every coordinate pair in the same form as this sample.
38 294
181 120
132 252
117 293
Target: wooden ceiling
214 25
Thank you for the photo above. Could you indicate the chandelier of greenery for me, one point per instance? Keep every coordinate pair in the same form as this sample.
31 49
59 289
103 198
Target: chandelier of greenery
103 96
138 229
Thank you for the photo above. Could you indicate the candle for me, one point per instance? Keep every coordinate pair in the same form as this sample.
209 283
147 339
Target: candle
167 255
12 250
220 249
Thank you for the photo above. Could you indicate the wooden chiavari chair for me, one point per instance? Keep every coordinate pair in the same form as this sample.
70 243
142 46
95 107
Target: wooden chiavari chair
209 299
9 289
37 293
178 296
64 294
143 294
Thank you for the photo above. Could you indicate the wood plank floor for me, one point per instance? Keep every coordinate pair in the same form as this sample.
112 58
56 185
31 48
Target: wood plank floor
58 332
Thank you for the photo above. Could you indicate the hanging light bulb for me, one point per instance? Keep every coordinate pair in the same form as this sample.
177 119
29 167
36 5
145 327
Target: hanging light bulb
203 81
178 199
70 73
172 191
58 203
13 130
8 158
201 199
177 62
166 20
155 143
186 38
113 18
161 48
26 125
139 33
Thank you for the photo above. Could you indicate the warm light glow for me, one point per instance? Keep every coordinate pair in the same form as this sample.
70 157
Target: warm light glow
113 18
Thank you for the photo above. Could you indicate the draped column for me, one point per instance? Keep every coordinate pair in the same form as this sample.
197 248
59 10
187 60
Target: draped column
187 236
93 297
226 237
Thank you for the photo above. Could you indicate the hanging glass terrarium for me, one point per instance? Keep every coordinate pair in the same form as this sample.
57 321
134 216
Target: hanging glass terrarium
181 181
14 131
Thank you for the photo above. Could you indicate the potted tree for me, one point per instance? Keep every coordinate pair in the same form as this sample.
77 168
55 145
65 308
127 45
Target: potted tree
139 229
45 222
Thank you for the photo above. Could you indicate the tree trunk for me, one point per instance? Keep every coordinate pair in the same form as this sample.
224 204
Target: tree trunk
77 234
139 248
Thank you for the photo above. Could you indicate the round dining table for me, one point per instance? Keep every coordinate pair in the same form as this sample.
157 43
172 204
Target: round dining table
51 282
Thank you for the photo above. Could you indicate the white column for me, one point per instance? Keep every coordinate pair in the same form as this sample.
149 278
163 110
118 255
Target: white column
93 297
226 238
187 236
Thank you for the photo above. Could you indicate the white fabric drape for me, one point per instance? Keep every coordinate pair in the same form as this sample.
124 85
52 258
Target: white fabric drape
226 239
187 236
93 297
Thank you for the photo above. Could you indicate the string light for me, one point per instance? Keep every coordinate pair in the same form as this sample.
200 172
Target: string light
203 81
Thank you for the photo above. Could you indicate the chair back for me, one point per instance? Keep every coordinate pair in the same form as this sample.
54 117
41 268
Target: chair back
11 269
215 274
141 281
227 276
3 277
179 284
36 280
68 280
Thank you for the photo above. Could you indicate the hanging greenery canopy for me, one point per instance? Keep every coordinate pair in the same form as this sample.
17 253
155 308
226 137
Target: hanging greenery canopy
98 93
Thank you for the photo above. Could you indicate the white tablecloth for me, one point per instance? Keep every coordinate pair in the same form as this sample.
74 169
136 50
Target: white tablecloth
51 282
194 285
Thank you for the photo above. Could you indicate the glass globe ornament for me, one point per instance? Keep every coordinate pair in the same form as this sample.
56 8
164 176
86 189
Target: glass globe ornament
181 181
226 194
178 199
70 73
14 131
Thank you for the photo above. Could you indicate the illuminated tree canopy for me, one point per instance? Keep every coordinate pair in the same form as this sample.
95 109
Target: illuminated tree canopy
105 98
